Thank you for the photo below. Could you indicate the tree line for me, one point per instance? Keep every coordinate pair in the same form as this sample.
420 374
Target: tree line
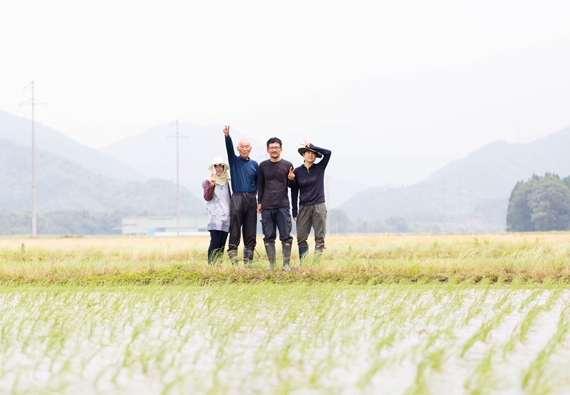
539 204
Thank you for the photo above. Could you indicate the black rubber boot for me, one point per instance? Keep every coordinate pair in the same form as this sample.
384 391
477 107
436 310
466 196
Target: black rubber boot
247 257
286 256
270 250
233 256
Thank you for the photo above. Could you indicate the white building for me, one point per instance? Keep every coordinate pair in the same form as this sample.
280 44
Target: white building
164 226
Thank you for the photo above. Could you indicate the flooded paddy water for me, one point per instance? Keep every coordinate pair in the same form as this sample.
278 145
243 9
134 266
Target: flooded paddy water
290 339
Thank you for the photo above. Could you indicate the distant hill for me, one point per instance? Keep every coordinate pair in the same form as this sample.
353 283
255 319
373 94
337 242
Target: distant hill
494 169
18 130
64 185
469 193
153 151
361 159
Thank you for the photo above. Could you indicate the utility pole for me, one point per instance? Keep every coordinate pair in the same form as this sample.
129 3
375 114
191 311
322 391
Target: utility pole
430 212
33 103
458 208
443 202
177 136
422 201
429 203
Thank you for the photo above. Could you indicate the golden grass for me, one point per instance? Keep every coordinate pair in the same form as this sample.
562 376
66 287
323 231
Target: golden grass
369 259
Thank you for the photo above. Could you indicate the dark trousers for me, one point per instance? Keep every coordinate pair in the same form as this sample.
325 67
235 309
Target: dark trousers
243 214
273 219
217 242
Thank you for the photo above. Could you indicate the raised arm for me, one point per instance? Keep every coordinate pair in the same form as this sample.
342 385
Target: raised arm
229 146
325 152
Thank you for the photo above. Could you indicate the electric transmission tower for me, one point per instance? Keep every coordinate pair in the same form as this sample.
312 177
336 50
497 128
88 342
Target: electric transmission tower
177 135
32 102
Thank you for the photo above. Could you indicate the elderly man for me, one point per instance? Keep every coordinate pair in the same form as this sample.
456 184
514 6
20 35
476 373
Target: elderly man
243 206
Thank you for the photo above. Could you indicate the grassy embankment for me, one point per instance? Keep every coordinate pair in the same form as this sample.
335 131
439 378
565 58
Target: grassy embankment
354 259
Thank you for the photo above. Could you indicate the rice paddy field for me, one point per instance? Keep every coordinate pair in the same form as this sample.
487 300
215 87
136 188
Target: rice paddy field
376 314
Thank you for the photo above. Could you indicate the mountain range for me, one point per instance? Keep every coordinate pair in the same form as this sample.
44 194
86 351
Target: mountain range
471 190
465 194
18 130
62 184
153 153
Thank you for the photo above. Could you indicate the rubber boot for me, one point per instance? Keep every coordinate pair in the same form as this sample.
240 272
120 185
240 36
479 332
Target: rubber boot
233 256
247 257
286 256
270 250
303 251
319 251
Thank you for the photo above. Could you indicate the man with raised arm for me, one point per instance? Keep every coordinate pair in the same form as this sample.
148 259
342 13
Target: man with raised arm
276 176
310 184
243 206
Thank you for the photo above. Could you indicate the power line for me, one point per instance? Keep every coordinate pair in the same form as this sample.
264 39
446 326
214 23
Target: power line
421 186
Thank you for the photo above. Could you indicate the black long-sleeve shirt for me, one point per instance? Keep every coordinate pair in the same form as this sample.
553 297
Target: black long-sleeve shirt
310 182
273 184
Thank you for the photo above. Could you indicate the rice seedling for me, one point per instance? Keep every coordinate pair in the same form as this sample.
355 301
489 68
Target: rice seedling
393 314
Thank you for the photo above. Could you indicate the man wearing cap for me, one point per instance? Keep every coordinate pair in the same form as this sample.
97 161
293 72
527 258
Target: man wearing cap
275 178
310 189
243 206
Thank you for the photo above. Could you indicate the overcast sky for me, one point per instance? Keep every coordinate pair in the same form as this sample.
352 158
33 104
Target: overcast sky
436 78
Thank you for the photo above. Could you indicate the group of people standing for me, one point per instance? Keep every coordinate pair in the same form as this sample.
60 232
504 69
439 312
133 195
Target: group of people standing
264 189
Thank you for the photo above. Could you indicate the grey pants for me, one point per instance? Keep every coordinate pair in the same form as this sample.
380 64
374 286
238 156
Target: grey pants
315 216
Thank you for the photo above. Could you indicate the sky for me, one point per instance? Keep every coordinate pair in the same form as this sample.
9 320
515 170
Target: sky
431 80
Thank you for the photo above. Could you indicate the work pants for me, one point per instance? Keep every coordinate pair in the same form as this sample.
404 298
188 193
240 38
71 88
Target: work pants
315 216
243 214
274 219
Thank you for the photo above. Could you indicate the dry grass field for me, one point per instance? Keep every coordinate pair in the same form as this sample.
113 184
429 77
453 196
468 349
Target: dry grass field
363 259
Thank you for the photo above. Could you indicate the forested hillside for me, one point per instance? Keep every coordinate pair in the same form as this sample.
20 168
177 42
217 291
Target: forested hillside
18 130
62 185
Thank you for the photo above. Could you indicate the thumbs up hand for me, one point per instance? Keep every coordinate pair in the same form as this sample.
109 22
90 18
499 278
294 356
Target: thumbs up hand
291 174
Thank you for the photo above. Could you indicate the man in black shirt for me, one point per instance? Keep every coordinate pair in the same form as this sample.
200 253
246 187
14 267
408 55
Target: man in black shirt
275 177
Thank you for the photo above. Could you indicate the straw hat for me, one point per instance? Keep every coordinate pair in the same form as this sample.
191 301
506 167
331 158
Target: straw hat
302 151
